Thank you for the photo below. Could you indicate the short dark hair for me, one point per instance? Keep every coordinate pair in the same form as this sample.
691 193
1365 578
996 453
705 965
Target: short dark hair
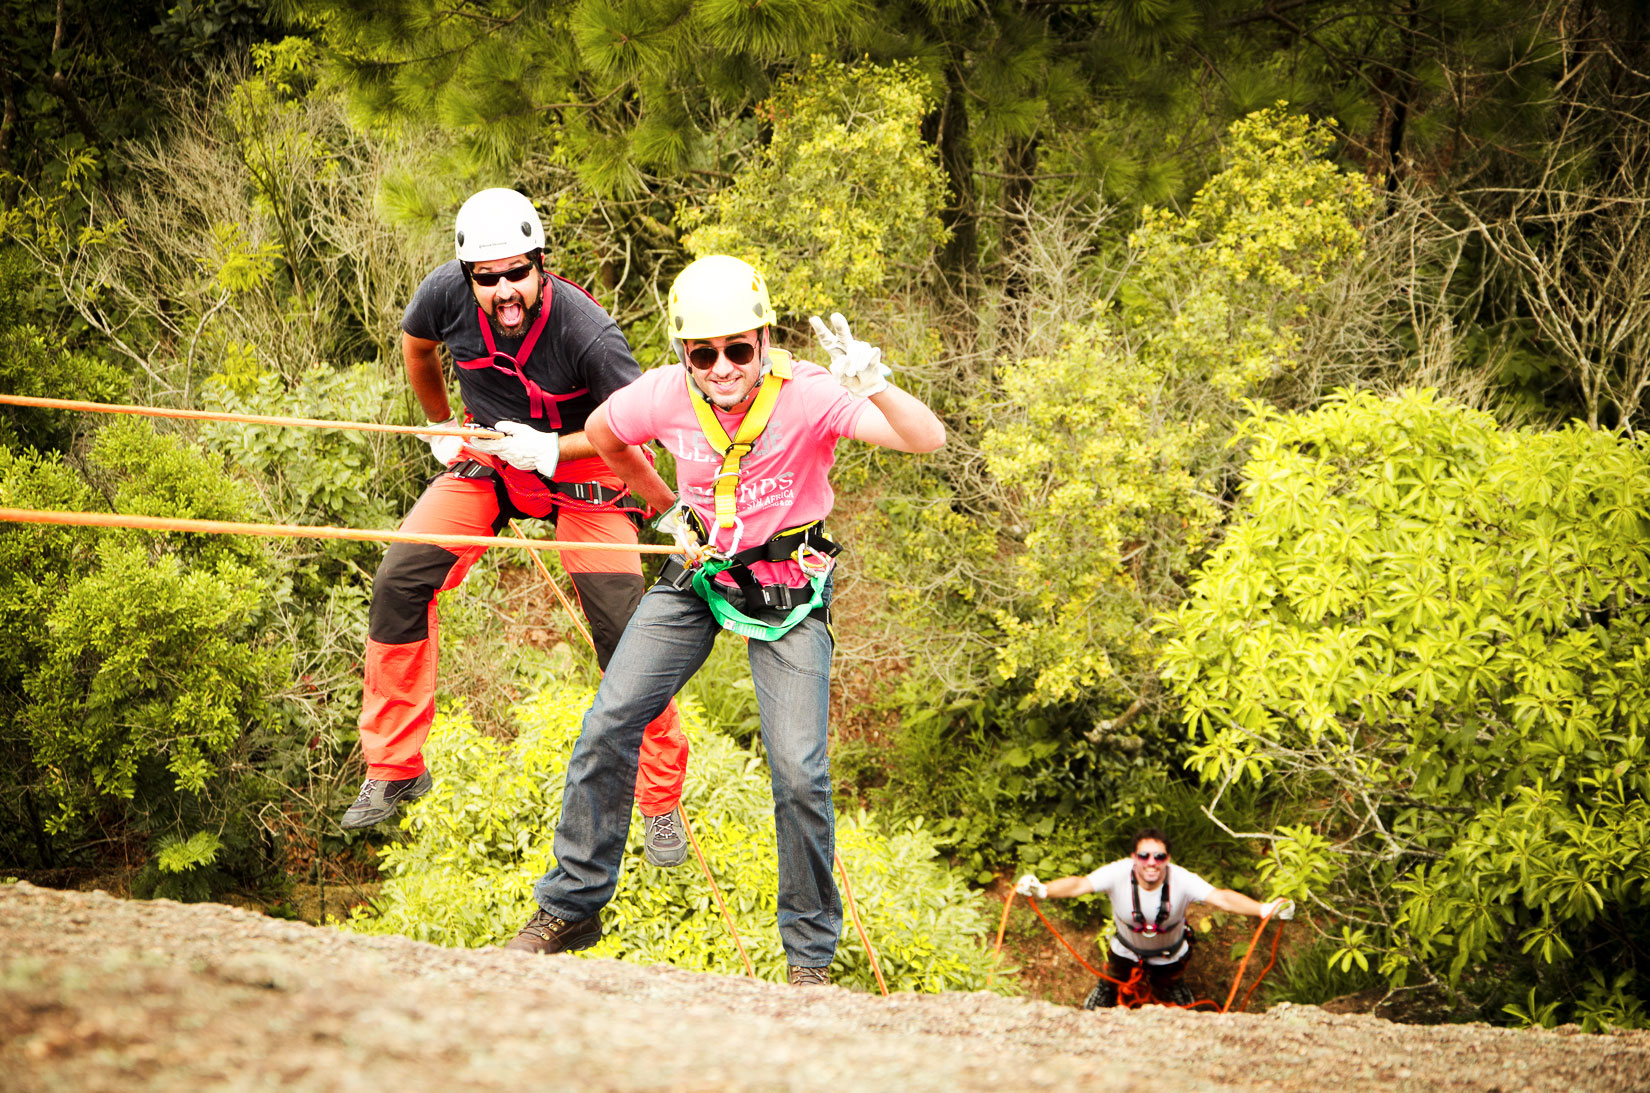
1151 833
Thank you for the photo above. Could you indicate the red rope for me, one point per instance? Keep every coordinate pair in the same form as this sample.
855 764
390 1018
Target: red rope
1136 990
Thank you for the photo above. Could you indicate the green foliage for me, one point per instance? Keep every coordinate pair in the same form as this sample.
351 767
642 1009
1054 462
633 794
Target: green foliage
132 666
1417 609
476 844
182 869
38 361
1109 451
845 192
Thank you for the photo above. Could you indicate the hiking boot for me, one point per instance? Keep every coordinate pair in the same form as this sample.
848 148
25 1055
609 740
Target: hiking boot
1102 997
545 933
809 977
379 798
1179 994
663 841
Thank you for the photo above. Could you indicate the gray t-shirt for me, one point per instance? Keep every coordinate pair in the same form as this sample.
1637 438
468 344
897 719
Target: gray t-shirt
1185 888
577 360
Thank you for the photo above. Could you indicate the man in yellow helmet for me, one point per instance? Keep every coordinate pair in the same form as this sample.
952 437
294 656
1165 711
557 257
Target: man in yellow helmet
754 434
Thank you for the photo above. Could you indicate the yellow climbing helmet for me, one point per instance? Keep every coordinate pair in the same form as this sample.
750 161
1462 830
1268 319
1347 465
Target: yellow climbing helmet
716 296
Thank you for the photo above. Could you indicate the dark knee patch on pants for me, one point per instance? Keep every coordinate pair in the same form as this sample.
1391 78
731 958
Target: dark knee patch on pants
406 582
608 599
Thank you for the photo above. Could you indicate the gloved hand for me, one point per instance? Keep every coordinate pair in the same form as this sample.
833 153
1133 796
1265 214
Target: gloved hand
446 449
523 447
1285 908
679 525
1030 886
856 365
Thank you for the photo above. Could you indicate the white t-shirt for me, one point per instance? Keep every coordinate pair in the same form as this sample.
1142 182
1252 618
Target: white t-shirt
1185 888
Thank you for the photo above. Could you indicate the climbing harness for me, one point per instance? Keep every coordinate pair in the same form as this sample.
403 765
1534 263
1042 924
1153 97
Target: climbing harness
734 450
806 544
1140 924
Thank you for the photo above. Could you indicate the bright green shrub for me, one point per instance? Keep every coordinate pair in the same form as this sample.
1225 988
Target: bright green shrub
480 839
132 665
844 194
1437 632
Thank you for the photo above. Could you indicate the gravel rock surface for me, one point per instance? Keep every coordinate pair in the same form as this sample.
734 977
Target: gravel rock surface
98 993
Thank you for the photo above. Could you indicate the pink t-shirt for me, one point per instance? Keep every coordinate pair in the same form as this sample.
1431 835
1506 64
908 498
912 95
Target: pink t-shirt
783 482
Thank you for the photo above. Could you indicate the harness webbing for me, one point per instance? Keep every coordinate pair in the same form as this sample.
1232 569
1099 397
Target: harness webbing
734 450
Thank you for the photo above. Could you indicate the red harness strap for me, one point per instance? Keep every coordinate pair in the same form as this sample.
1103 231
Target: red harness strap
541 403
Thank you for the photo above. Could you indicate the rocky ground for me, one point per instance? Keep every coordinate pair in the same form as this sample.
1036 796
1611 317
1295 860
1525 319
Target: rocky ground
98 993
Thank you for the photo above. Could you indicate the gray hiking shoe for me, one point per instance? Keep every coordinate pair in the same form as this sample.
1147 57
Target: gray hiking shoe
545 934
664 842
1179 994
1103 996
809 977
379 799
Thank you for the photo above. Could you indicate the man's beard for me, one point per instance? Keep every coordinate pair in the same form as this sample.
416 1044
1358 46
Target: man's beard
517 306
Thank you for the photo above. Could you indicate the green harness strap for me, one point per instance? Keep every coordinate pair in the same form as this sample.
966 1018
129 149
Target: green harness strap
730 617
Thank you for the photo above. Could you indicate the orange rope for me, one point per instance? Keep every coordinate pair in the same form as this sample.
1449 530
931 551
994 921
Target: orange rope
544 571
717 892
300 531
1136 989
853 909
997 950
1061 939
1238 980
247 419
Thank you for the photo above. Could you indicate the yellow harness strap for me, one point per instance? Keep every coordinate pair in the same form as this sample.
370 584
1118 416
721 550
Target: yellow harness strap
734 450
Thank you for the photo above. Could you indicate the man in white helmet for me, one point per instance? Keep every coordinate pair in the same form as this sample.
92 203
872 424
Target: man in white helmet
754 434
536 355
1149 897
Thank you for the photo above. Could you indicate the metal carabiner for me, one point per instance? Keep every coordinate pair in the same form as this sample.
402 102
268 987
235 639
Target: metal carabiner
809 568
738 534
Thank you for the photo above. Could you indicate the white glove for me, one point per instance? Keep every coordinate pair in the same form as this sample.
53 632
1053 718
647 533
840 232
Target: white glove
523 447
1285 909
446 449
856 365
676 523
1031 887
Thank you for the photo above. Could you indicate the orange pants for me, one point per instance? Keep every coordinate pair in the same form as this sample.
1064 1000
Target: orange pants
403 642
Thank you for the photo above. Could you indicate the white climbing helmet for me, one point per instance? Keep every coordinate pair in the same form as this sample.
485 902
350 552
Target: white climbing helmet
496 223
716 296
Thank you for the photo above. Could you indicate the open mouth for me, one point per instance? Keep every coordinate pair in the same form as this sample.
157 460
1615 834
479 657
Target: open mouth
510 313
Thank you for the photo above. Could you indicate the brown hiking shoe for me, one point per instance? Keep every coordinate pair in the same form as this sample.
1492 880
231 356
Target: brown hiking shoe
545 933
809 977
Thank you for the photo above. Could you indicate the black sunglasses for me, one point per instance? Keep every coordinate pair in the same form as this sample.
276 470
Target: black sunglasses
737 353
488 280
1147 855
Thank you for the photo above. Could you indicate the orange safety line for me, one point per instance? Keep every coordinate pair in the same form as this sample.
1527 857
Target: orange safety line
544 571
1277 937
1236 982
717 892
302 531
997 950
246 419
1061 939
853 909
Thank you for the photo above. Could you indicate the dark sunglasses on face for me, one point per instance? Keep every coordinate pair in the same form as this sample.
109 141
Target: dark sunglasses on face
513 275
738 353
1147 855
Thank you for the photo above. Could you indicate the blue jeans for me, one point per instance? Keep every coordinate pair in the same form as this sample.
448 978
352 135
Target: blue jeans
668 638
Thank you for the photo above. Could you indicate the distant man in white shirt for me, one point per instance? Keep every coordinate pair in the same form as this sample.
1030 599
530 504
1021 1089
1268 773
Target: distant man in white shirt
1149 897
